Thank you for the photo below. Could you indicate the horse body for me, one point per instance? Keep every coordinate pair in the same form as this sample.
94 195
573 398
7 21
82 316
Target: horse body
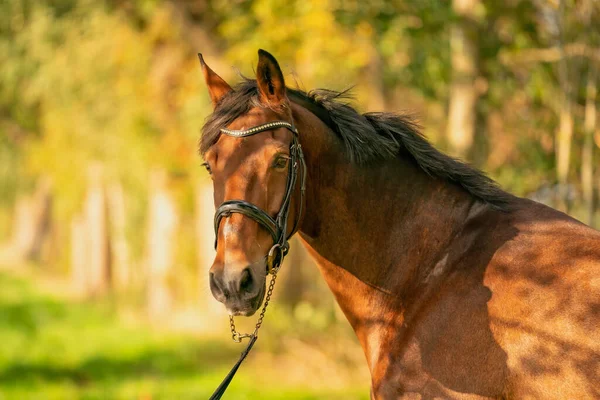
454 288
449 297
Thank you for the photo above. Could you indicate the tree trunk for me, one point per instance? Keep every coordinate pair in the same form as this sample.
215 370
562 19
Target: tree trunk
42 201
79 270
295 280
23 226
587 157
563 153
162 226
377 89
481 142
98 247
119 246
564 135
32 222
463 93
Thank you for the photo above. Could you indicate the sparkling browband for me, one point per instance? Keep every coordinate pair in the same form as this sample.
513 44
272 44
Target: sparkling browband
259 128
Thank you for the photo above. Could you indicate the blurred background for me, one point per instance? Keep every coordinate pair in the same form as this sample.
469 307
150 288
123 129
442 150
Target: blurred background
106 213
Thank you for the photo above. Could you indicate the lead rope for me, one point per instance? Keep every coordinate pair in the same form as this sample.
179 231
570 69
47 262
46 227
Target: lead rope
237 337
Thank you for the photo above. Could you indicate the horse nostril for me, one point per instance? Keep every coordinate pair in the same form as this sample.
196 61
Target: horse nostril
246 281
214 285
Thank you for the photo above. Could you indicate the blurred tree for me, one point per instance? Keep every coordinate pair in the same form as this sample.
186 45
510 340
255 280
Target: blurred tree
289 30
564 133
465 70
587 157
590 11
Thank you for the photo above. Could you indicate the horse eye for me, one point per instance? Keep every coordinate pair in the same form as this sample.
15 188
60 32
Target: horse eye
280 162
205 165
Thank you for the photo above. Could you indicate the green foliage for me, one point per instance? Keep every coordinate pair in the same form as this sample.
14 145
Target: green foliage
286 29
54 349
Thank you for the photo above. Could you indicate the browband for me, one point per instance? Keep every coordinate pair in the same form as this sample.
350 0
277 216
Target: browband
259 128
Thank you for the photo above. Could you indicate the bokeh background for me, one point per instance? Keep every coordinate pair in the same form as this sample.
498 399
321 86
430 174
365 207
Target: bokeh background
106 213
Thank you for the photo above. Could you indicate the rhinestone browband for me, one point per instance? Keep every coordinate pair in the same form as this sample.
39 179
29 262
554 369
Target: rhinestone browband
258 129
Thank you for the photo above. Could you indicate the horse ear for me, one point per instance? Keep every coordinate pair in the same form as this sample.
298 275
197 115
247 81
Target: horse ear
217 87
270 80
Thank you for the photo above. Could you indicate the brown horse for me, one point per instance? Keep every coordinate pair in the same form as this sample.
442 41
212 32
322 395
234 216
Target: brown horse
455 288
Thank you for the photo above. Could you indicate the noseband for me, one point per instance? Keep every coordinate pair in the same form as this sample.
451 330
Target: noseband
277 226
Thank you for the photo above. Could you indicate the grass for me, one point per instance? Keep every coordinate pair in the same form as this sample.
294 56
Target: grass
56 348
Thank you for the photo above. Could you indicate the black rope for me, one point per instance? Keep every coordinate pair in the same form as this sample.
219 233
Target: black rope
223 386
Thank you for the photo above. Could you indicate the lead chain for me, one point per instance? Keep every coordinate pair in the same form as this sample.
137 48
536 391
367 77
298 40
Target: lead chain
235 335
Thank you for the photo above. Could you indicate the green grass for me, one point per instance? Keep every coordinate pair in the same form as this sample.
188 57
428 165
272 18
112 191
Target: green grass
53 348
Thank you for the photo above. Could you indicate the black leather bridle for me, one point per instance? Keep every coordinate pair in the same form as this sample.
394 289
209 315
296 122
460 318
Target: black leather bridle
277 226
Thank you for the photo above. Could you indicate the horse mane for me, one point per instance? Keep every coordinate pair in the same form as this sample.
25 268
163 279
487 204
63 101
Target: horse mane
368 137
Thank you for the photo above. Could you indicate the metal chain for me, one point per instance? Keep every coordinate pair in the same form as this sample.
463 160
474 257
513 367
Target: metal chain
235 335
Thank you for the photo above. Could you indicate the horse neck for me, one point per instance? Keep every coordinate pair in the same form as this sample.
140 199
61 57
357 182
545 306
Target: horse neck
377 232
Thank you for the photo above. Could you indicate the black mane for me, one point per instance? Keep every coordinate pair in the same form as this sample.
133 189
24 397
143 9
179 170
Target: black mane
368 137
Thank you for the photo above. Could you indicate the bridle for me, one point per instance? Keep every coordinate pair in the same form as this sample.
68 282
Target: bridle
277 227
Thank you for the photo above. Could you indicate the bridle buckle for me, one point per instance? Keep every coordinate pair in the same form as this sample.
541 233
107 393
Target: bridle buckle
273 261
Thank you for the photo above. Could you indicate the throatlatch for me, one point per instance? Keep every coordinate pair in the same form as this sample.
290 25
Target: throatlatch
277 227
